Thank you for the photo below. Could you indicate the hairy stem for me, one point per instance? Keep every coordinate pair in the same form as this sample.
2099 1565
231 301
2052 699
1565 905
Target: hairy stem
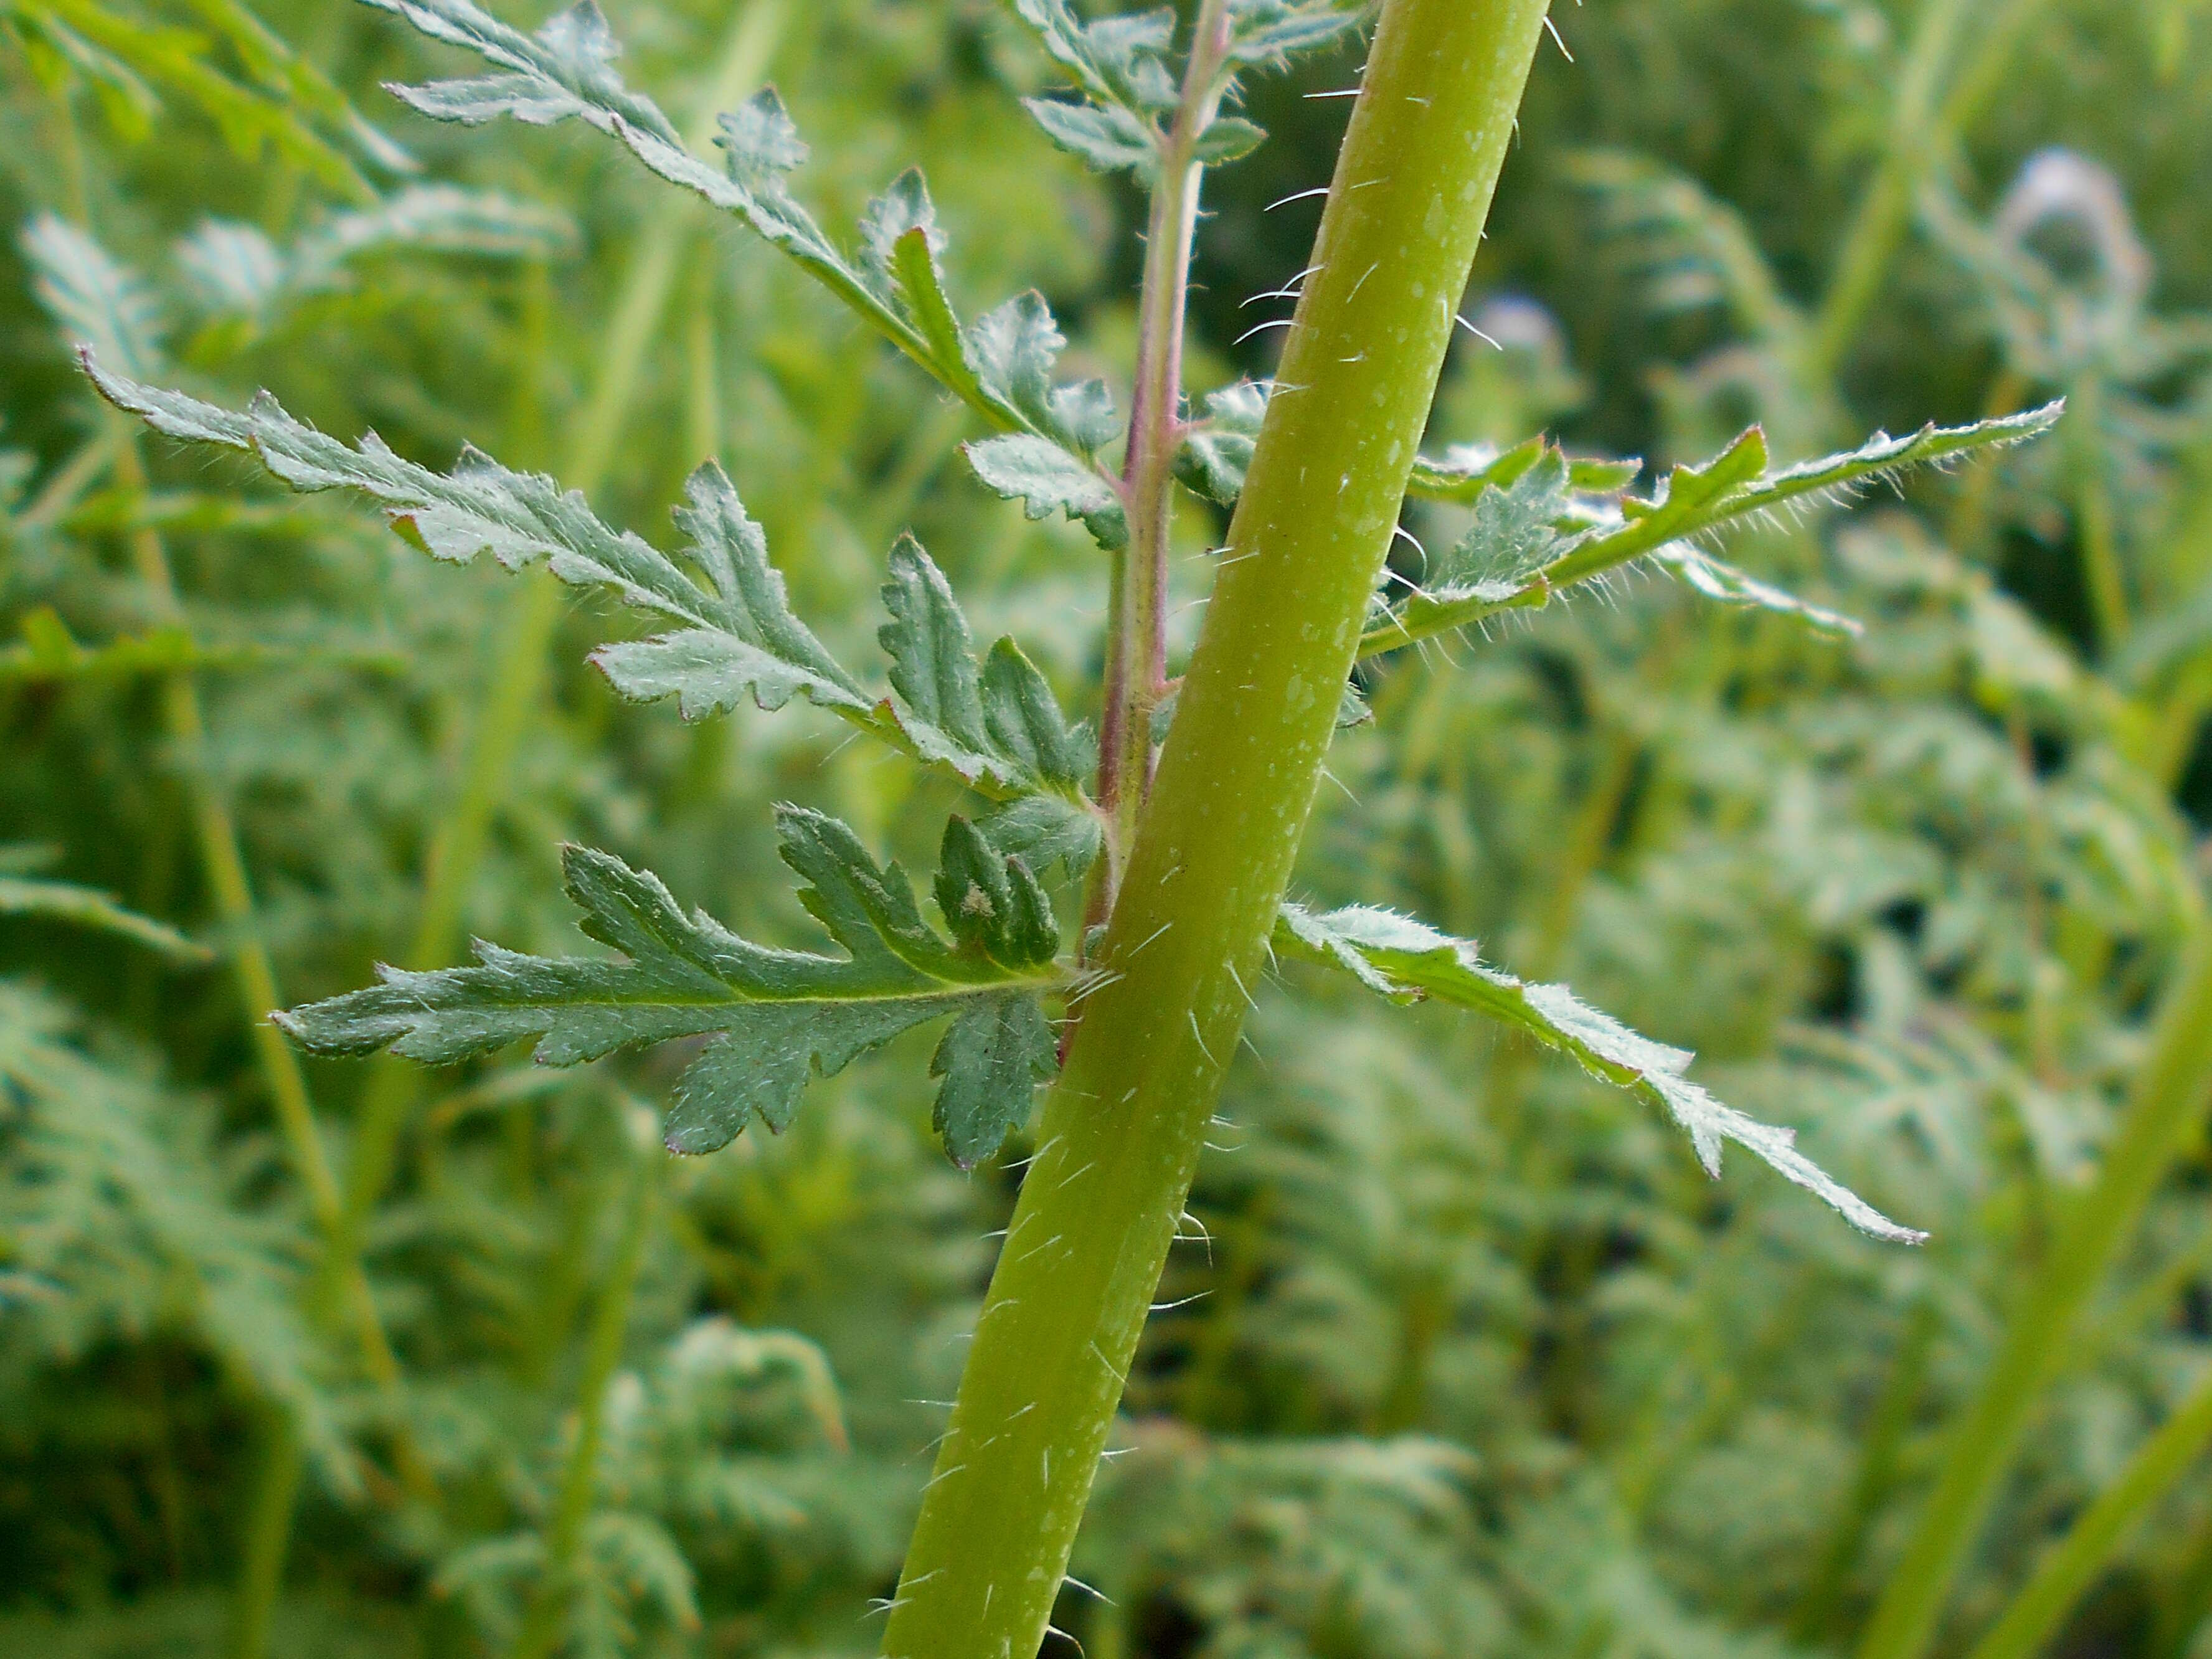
1137 641
2165 1108
1120 1132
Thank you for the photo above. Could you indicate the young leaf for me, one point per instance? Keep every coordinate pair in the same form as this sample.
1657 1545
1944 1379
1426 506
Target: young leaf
1268 33
1514 534
1695 499
777 1017
1405 961
1464 471
1214 458
1227 139
1046 478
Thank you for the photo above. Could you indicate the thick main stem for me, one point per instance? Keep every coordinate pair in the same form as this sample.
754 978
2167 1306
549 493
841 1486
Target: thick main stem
1121 1131
2165 1109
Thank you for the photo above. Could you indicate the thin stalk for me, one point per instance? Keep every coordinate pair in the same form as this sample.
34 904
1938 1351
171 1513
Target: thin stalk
2071 1568
1884 1440
543 1624
268 1534
1925 121
2165 1109
1968 521
1137 642
222 862
2102 572
183 722
516 672
1121 1134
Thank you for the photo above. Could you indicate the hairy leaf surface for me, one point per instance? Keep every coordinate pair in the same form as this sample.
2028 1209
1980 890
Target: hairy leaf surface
1694 501
776 1017
1405 960
735 636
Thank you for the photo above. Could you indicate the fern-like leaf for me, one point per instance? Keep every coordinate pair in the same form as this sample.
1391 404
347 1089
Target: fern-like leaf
97 300
1405 960
1695 500
777 1017
566 70
735 637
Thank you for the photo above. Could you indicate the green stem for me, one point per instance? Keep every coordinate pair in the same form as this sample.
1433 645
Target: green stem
2166 1105
1121 1134
2069 1570
1137 641
222 862
544 1622
268 1534
1925 121
1815 1617
2189 1605
2102 573
515 675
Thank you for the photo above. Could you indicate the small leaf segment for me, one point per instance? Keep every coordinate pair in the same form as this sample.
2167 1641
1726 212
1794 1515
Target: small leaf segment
778 1018
1405 961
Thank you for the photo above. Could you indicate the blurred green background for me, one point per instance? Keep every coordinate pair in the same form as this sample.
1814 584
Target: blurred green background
1472 1359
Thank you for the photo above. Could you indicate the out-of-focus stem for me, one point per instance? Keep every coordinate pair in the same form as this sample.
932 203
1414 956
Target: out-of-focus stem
544 1624
2073 1565
2165 1109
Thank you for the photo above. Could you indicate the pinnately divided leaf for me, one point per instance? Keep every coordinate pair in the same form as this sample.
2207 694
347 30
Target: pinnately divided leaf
1115 60
734 636
566 70
1695 500
1405 961
776 1017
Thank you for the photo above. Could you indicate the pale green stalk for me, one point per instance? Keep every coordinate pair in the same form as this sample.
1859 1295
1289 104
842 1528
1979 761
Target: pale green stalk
1120 1134
515 675
1879 1450
2073 1565
222 863
2165 1109
1925 120
547 1618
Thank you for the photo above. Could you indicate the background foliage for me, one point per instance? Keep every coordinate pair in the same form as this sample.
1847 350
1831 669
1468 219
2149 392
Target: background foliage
1465 1356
